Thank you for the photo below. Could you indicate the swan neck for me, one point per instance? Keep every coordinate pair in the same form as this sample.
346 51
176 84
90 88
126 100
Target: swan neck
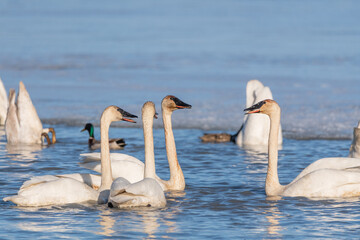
106 173
177 180
272 184
53 135
149 171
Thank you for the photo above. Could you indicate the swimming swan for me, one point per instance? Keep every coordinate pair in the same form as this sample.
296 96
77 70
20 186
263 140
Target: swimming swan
327 177
53 190
3 103
125 164
23 124
115 143
148 191
355 145
255 130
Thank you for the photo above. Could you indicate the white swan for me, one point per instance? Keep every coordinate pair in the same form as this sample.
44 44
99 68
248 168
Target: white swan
148 191
355 145
53 190
22 123
115 143
132 168
255 130
328 177
3 103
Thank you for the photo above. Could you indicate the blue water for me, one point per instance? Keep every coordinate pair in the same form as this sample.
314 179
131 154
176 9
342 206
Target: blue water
77 57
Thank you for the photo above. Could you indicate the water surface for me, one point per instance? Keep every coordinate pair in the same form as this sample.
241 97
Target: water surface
77 57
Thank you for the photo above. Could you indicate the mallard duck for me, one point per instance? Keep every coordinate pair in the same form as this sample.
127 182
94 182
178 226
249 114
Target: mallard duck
115 143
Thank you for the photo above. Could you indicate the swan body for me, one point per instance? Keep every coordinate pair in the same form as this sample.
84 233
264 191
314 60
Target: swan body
22 123
92 180
122 165
73 188
115 143
325 178
122 162
255 130
3 103
146 192
354 151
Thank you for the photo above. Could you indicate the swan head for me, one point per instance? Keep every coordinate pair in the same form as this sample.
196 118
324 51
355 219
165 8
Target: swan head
148 109
118 114
267 107
173 103
90 128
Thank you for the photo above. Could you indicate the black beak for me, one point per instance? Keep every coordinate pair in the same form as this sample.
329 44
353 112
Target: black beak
255 108
180 104
127 115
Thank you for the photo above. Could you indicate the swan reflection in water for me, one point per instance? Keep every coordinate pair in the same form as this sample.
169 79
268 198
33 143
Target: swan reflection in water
273 217
106 222
24 154
153 222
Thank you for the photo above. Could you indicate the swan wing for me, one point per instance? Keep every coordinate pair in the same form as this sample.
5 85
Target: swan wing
12 126
118 186
94 181
4 103
56 192
30 124
129 169
113 156
37 180
330 163
328 183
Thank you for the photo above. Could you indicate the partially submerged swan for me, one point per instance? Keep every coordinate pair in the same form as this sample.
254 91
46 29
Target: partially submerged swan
327 177
354 151
114 143
3 103
147 192
23 124
65 189
255 129
125 164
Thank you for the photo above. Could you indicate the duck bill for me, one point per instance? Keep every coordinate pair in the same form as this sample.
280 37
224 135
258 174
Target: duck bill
83 130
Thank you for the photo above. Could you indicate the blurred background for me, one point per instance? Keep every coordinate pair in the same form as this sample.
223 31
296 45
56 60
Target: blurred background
77 57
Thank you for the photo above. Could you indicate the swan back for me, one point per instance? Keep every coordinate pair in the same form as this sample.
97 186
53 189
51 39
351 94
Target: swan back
30 124
256 126
3 103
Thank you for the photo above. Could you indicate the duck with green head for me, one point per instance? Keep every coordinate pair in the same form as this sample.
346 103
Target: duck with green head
115 143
